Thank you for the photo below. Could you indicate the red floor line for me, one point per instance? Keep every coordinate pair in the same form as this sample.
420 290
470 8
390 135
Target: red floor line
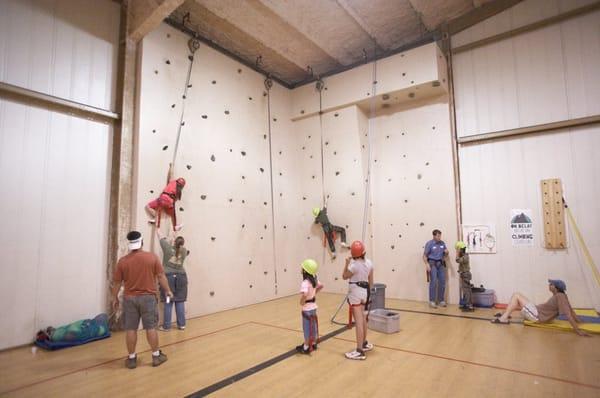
452 359
523 372
119 358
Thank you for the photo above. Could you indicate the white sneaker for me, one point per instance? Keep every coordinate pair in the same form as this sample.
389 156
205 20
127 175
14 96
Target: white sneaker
443 304
181 327
356 355
162 329
153 221
432 304
344 245
178 227
367 346
333 256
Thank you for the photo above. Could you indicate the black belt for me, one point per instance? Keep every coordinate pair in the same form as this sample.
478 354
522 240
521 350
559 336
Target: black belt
364 285
172 196
312 300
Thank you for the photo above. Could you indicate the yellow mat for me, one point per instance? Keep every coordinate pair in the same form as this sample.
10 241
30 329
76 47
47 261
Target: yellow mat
565 325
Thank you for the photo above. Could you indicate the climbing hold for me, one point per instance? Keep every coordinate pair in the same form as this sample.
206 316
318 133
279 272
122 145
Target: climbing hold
230 150
285 270
336 114
212 157
151 191
313 177
274 119
243 177
433 128
280 152
411 95
399 235
303 148
326 142
393 270
173 106
387 136
426 163
226 112
189 167
284 227
181 209
304 198
239 71
280 174
154 131
352 194
261 238
392 247
183 96
211 293
165 147
419 176
337 173
421 224
204 116
213 238
156 72
265 272
389 180
168 62
189 86
243 225
183 123
262 170
203 197
250 286
243 153
250 262
265 203
250 98
265 226
230 200
214 82
243 201
335 152
405 200
264 136
336 278
190 57
302 112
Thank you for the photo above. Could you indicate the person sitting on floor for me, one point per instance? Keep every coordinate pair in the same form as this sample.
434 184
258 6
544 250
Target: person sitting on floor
558 304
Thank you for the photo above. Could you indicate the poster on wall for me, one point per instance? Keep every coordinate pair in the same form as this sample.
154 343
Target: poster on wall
521 227
480 238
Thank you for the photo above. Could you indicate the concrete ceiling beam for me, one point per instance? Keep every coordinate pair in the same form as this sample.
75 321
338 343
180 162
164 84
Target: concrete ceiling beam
146 15
361 23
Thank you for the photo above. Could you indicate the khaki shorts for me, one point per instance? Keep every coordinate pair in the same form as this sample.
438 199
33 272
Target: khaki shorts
140 307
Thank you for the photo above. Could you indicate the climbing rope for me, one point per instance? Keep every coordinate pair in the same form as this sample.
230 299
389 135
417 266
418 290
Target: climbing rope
319 86
193 46
268 86
369 146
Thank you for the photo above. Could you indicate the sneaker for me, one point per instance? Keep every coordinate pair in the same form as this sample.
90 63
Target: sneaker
358 355
443 304
152 221
163 329
315 346
178 227
131 363
159 359
181 327
301 350
333 256
367 346
432 304
344 245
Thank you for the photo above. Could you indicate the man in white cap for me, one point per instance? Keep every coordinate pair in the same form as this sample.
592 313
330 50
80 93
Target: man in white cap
557 305
138 271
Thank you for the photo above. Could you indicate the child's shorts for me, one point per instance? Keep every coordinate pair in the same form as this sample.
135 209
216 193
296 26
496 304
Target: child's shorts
357 294
530 312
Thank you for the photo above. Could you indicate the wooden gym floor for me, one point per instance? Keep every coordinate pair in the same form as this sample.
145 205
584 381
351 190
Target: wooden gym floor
432 355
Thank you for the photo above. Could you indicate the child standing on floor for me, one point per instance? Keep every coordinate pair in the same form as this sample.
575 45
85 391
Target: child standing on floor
308 292
464 270
359 271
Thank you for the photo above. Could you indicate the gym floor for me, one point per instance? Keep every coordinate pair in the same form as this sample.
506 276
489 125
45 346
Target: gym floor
246 352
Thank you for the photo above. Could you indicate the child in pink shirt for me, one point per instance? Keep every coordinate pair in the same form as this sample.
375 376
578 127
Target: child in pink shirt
308 292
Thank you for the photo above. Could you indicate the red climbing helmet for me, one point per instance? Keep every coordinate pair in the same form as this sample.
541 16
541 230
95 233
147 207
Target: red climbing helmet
181 181
357 249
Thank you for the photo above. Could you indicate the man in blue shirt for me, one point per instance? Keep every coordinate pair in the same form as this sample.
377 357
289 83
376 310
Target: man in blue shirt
434 256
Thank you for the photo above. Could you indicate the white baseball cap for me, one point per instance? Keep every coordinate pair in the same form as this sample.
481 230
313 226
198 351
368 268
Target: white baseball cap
135 240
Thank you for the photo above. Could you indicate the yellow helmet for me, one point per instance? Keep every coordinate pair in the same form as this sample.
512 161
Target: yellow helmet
310 266
460 245
316 211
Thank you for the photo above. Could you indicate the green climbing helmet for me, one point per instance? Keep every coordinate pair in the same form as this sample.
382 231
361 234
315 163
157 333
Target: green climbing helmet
316 211
310 266
460 245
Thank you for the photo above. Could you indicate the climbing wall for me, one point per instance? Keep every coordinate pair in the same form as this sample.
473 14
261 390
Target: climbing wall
413 193
224 156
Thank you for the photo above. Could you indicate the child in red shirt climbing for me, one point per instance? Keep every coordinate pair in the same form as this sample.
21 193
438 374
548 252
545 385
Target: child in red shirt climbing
165 203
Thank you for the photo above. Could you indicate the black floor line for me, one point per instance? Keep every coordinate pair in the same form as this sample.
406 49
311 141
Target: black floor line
257 368
479 318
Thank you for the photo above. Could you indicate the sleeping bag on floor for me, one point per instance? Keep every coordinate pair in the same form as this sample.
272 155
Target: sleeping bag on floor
76 333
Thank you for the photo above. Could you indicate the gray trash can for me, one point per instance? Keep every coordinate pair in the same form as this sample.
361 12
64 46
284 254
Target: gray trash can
377 296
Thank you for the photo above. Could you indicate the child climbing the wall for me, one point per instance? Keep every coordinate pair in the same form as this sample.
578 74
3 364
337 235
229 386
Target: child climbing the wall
359 271
329 229
308 292
464 270
165 203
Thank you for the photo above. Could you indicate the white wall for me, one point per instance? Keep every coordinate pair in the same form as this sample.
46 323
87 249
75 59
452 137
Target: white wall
54 168
542 76
546 75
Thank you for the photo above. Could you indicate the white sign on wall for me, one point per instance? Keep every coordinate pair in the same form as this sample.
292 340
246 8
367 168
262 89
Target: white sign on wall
480 238
521 227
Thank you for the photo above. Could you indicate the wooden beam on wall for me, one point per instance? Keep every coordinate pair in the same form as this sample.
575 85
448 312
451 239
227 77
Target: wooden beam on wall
479 14
146 15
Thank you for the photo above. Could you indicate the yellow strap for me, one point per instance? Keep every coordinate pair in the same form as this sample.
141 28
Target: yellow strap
586 252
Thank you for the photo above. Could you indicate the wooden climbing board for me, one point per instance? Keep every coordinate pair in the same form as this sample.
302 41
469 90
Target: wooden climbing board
555 236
